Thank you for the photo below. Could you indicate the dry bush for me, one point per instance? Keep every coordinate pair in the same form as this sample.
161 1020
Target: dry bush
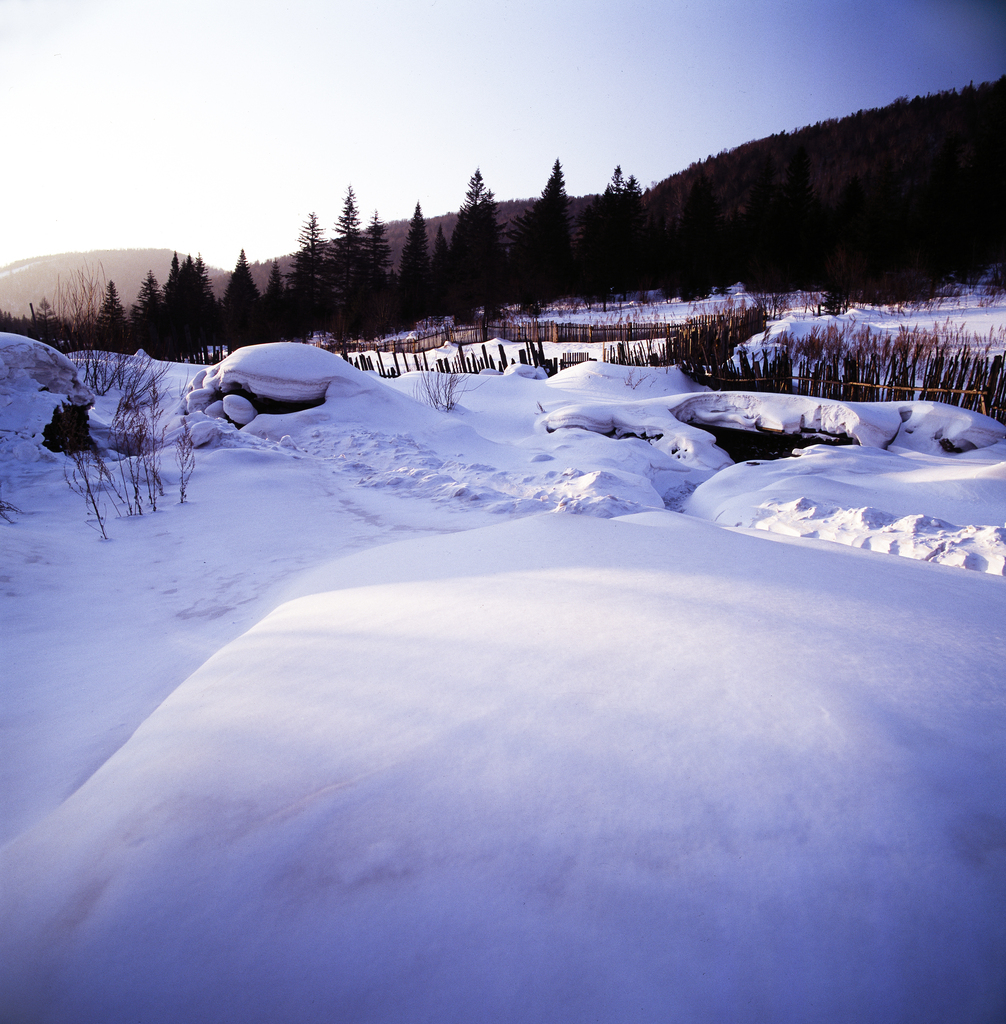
186 459
138 436
6 508
442 391
88 478
78 306
863 342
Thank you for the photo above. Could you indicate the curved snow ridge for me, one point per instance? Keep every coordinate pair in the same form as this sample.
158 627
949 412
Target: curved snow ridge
22 358
981 548
650 419
285 372
874 426
930 427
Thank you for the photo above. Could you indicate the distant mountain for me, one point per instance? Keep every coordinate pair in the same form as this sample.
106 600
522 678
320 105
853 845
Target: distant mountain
29 281
898 151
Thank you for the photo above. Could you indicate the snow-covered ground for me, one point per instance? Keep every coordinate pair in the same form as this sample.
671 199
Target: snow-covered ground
538 709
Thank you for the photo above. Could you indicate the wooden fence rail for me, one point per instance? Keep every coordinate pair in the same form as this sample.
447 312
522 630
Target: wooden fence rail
711 334
959 377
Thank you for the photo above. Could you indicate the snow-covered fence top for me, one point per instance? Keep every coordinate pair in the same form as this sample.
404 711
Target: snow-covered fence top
712 333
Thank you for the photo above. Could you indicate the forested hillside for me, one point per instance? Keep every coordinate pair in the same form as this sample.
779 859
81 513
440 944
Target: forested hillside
913 186
879 206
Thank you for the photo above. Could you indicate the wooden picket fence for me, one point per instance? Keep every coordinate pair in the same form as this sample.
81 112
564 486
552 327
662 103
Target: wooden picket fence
470 359
711 335
962 377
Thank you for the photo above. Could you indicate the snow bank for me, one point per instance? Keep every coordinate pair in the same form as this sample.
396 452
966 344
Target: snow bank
21 357
874 425
660 803
982 548
649 419
284 372
896 501
35 380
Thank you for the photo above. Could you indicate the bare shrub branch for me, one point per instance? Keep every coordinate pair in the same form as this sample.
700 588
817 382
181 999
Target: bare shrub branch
186 459
87 478
6 508
442 391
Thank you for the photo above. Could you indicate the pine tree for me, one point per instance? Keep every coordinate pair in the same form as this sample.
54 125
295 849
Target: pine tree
240 306
347 266
146 315
308 277
376 255
699 234
112 325
414 270
440 274
542 254
477 254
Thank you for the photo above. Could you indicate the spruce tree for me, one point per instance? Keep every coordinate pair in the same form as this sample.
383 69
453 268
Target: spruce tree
308 277
610 236
146 316
760 218
46 322
700 234
541 254
189 305
800 221
477 254
112 325
376 254
240 306
274 307
440 274
414 270
347 265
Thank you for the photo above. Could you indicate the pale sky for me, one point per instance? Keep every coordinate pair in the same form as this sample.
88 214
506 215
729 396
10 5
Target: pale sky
215 125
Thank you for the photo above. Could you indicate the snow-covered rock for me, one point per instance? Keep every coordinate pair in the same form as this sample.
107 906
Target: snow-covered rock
872 425
650 419
35 380
239 409
22 357
524 370
936 428
199 399
283 371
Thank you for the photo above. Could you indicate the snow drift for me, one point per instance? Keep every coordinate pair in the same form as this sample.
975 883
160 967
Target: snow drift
635 801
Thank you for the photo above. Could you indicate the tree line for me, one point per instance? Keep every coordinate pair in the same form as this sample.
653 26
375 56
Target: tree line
864 236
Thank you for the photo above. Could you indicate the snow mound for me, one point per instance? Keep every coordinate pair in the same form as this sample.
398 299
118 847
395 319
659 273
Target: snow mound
872 425
35 380
653 807
649 419
903 503
982 548
283 371
524 370
22 357
936 428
